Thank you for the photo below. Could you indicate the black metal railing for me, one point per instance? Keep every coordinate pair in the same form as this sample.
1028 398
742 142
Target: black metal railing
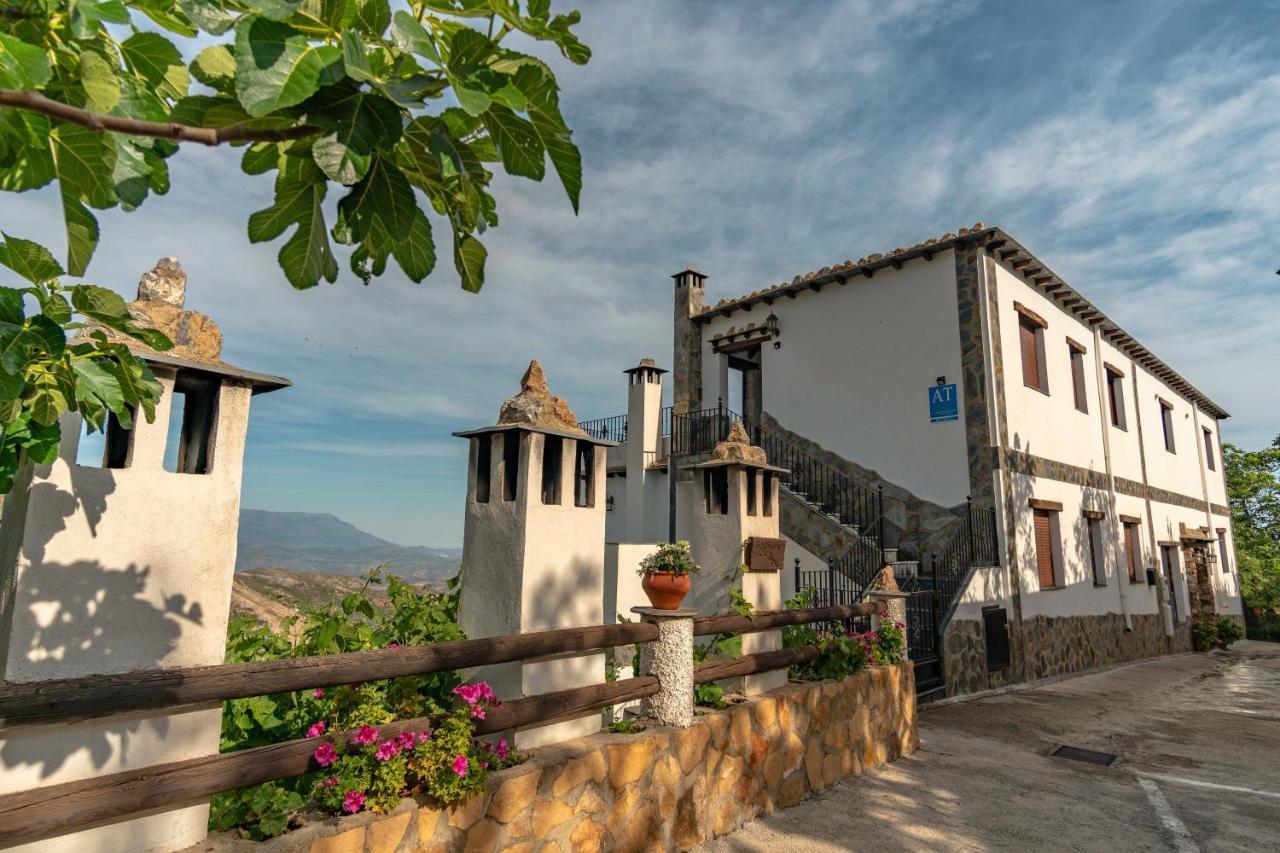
973 544
606 429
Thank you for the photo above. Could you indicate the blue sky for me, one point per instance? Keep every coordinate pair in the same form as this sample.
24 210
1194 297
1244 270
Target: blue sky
1132 145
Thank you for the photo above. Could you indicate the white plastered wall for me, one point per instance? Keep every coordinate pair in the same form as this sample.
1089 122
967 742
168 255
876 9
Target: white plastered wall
854 370
123 569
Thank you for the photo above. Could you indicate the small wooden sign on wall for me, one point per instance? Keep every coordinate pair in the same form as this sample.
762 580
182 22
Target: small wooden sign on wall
765 554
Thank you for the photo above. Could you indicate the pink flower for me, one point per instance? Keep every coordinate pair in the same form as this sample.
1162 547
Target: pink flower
460 765
387 750
485 691
470 693
405 740
329 782
318 693
353 802
316 729
366 735
503 750
325 754
393 645
423 737
477 712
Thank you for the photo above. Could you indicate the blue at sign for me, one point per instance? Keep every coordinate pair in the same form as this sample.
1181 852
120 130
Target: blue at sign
943 404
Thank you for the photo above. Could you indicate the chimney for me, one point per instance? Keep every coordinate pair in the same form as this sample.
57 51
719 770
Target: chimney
687 363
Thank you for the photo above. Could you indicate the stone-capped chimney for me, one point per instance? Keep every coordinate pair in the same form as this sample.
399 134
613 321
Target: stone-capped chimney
165 282
162 293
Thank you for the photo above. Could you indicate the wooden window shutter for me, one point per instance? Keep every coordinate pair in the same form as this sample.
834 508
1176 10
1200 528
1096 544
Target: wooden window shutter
1077 379
1044 547
1131 549
1030 353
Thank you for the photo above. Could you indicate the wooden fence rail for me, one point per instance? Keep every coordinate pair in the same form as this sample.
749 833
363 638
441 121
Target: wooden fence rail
56 809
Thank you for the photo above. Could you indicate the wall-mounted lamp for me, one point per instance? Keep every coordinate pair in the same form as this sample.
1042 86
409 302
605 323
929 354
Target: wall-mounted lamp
771 324
942 380
608 503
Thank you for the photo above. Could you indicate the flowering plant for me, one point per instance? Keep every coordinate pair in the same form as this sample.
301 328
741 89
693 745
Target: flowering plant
671 557
380 767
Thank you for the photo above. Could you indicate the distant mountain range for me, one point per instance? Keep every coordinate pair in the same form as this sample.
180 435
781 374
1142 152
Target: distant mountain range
319 542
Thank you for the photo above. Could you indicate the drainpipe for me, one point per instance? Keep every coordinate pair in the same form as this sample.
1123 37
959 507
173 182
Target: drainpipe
1104 418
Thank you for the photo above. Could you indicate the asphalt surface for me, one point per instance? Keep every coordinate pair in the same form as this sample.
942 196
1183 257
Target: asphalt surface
1197 740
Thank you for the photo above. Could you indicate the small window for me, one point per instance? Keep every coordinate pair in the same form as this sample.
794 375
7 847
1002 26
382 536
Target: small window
1115 397
1031 342
767 488
751 490
111 447
1096 560
1166 421
552 468
1077 377
715 490
1046 524
1208 450
1224 556
484 459
1131 549
193 411
510 464
584 474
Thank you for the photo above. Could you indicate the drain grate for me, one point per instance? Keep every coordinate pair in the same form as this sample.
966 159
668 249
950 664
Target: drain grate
1076 753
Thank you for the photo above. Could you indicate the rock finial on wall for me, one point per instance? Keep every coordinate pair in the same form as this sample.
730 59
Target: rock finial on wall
885 581
738 448
537 406
165 282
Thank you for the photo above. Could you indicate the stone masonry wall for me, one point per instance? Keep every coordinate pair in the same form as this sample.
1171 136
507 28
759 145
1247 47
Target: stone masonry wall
661 789
1057 645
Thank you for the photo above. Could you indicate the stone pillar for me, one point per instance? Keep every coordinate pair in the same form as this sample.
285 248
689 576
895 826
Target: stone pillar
644 412
115 564
533 545
687 356
670 659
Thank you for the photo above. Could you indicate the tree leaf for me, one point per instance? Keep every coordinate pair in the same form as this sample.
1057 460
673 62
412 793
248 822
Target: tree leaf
85 161
48 335
82 233
12 310
22 65
517 141
306 256
354 59
28 259
215 67
99 81
276 10
209 15
565 157
100 303
25 160
468 257
42 442
359 122
48 399
277 66
15 347
380 208
411 37
373 16
154 58
416 253
94 380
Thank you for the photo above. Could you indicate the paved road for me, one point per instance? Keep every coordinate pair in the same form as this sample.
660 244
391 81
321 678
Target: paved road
1198 738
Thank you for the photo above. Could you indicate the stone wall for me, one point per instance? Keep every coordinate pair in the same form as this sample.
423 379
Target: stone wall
662 789
1056 645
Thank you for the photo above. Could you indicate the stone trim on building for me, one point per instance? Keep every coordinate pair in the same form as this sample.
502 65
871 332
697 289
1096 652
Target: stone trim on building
1020 462
1030 315
663 788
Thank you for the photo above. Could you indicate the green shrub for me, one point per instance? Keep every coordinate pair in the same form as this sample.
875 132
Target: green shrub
1263 625
1228 631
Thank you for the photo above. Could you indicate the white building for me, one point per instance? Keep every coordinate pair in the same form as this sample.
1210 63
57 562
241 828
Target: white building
897 388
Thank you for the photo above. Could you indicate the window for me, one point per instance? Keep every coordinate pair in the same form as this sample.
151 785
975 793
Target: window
1131 548
1093 530
111 447
1031 342
584 474
192 414
1076 353
768 494
1208 449
751 490
552 468
510 464
1224 556
715 490
1115 397
1166 421
484 457
1047 568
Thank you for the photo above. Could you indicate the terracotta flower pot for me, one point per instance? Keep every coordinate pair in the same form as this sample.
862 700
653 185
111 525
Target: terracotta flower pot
665 589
